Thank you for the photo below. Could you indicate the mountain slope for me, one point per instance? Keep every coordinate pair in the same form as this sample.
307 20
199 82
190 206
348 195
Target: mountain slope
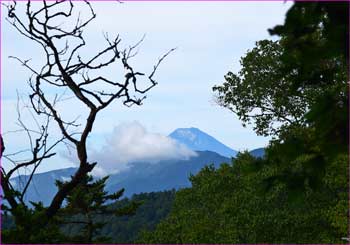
164 175
140 177
198 140
42 187
259 152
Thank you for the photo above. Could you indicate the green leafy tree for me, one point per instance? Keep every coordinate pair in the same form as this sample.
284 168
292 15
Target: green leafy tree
284 80
230 205
314 34
88 201
114 228
31 225
262 94
316 47
155 207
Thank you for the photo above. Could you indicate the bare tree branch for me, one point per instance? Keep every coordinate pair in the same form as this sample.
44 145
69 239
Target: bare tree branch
65 69
40 149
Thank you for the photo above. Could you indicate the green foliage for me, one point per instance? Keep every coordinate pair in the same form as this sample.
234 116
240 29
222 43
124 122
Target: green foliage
230 205
315 36
126 229
85 203
155 207
316 47
81 220
114 229
257 94
301 79
32 226
268 95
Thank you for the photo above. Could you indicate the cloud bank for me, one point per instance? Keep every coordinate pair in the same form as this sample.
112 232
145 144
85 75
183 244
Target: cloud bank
130 143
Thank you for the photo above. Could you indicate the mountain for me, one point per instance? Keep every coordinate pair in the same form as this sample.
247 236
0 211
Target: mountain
139 178
259 152
42 187
165 175
198 140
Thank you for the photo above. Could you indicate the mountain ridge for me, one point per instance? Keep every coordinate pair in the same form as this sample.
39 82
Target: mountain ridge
197 140
258 152
143 177
165 175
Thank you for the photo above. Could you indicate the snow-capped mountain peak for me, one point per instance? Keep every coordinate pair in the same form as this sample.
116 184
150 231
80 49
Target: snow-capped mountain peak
197 140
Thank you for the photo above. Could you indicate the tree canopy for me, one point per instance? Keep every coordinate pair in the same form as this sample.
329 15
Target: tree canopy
262 93
231 204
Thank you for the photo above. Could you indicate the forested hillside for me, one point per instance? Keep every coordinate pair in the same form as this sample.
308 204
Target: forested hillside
154 207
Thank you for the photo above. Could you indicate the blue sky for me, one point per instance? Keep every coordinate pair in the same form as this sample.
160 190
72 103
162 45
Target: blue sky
210 38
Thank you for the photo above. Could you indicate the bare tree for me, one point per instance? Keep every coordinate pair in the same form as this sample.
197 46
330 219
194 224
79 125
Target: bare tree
65 69
39 149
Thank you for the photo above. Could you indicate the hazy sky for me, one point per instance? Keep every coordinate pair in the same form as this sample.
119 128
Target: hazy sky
210 38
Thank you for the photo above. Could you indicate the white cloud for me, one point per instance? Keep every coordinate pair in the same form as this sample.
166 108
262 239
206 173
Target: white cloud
130 143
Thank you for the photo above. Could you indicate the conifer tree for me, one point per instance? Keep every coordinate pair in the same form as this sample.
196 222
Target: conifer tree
88 201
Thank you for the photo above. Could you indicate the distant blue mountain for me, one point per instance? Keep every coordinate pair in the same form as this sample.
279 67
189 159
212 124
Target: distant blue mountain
165 175
42 187
197 140
259 152
144 176
140 177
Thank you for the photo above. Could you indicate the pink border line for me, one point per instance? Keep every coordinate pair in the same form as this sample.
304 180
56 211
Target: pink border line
190 0
0 102
149 1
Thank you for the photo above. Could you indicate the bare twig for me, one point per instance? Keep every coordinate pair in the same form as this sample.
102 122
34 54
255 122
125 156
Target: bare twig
65 69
